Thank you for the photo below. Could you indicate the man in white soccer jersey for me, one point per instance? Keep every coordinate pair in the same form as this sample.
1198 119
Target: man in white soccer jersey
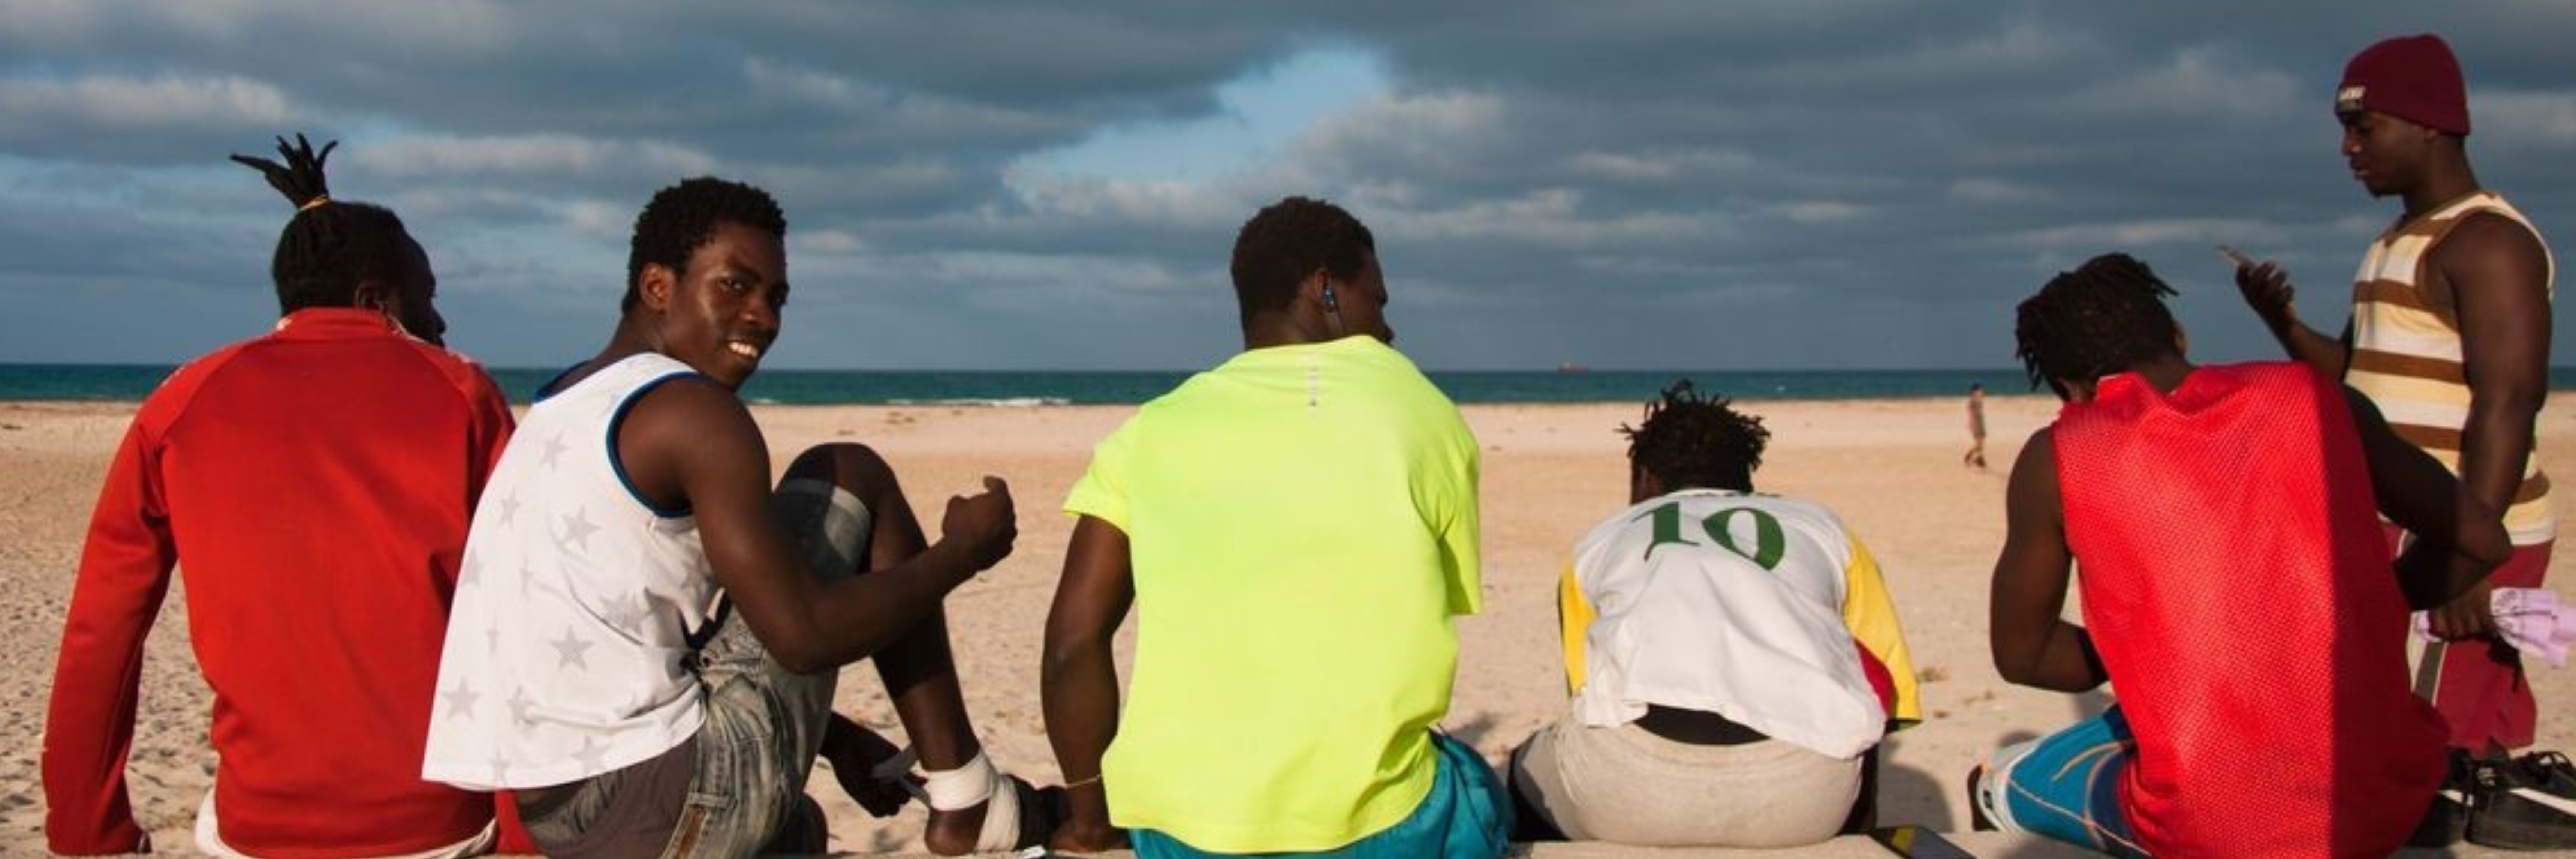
1734 657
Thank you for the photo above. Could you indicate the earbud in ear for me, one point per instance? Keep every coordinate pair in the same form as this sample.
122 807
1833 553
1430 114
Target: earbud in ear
1329 302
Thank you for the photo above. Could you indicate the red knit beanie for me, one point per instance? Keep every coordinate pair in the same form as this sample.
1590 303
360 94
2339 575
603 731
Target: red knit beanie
2414 78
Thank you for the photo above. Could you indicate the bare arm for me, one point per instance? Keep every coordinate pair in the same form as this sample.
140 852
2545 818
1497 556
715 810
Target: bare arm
691 443
2497 277
2457 537
2267 290
1080 685
2032 645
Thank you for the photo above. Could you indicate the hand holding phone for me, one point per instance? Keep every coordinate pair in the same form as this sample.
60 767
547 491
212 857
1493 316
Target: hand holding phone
2235 256
2265 286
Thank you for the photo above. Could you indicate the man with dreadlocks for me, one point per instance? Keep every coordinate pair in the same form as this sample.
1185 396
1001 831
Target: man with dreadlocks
2236 591
1733 656
647 636
315 483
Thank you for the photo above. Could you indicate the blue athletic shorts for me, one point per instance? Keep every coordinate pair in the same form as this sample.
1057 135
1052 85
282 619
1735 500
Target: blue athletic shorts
1466 816
2065 786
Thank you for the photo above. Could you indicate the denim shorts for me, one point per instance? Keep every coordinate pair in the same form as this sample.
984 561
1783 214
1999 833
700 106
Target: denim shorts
1466 816
750 759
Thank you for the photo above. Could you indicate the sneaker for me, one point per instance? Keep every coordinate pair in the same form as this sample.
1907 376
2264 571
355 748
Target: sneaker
2447 819
2530 805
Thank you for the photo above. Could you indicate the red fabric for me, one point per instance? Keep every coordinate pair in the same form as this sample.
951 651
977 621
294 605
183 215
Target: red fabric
2236 585
2414 78
1881 682
2478 686
316 484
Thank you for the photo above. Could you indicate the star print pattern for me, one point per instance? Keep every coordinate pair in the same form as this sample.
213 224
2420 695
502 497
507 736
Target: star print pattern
569 648
519 705
538 681
589 754
460 700
577 530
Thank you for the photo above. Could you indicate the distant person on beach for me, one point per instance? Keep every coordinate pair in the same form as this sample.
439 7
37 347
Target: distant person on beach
647 637
1296 527
2449 337
315 483
2236 591
1734 657
1976 455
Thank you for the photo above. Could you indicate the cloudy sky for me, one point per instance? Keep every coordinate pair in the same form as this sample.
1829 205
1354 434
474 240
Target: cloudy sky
1678 185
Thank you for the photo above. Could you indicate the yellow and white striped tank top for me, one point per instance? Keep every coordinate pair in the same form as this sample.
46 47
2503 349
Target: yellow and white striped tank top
2406 352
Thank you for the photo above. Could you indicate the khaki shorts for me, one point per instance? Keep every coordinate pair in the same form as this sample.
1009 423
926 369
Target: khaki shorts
1629 786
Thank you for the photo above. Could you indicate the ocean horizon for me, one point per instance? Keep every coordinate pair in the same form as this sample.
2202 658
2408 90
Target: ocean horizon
1011 388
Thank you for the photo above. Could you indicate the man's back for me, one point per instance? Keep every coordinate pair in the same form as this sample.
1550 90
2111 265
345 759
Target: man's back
315 483
1759 608
1303 525
2240 595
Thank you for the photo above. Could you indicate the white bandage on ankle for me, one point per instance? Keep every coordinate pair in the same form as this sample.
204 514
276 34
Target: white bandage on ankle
961 788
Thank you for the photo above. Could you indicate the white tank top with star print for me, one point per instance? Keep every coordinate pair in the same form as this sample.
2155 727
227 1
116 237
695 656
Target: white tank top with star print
568 649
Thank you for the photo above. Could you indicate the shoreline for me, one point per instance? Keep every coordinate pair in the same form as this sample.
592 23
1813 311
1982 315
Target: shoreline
1888 467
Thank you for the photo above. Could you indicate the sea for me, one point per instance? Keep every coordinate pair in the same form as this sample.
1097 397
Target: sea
1005 388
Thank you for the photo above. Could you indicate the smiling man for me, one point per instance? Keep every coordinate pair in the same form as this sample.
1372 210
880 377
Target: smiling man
646 638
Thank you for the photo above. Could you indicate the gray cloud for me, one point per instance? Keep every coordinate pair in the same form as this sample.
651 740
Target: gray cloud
1863 183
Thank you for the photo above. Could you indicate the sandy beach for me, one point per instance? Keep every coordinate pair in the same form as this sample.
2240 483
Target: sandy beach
1890 468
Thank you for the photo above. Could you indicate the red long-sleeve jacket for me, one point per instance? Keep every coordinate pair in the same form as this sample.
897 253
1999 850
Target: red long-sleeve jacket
315 483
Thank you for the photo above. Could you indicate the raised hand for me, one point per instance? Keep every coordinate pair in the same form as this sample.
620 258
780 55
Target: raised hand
2266 288
984 524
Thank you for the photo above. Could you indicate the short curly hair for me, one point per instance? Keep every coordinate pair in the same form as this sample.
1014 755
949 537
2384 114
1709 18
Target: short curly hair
682 218
1289 240
1690 441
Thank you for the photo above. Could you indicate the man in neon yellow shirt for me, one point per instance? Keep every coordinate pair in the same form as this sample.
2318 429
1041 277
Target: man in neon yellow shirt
1298 527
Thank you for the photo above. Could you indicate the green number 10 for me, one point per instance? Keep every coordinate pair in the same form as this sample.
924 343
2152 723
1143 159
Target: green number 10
1769 542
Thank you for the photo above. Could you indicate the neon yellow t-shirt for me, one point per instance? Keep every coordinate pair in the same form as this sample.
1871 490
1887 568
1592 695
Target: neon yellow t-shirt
1302 525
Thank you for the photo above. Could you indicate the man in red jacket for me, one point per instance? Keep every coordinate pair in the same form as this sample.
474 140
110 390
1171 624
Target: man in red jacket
316 482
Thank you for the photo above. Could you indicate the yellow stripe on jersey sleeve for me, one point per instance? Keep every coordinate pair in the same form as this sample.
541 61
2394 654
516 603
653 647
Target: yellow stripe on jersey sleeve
1575 615
1870 614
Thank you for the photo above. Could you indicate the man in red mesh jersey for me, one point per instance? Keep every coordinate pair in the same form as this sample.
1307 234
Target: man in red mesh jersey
2236 590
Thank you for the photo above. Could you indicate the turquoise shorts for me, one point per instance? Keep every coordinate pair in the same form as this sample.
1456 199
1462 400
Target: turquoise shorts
2065 786
1466 816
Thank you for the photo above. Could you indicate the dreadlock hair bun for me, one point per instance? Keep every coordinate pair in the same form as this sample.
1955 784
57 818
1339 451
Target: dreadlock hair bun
2102 318
329 246
1690 440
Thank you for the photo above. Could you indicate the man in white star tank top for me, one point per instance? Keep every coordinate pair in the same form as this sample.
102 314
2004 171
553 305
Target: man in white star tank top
646 637
2449 338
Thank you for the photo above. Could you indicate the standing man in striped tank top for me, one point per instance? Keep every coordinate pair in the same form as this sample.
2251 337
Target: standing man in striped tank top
2449 337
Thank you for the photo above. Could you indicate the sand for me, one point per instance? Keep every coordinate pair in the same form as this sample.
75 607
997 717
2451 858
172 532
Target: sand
1890 468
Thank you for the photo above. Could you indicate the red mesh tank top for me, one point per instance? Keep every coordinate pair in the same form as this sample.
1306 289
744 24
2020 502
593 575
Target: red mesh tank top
2236 583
